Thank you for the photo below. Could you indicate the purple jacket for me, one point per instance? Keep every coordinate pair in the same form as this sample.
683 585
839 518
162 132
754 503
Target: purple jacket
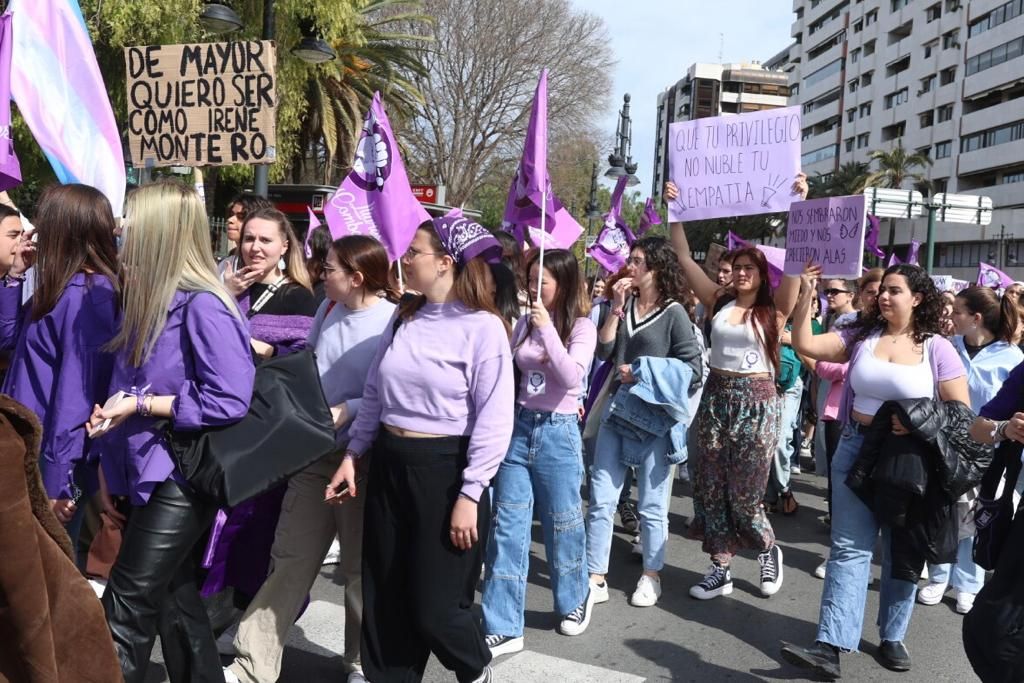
201 357
59 369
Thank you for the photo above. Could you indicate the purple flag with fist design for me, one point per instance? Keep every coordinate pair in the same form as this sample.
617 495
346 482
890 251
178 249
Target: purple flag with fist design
530 194
375 198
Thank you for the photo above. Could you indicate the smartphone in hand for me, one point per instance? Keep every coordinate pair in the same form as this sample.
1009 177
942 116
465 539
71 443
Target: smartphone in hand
105 425
341 491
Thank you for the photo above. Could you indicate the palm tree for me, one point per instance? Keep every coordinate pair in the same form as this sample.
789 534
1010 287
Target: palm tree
846 180
382 53
895 167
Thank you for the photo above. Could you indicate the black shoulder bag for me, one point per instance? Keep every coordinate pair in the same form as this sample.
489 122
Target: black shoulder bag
993 516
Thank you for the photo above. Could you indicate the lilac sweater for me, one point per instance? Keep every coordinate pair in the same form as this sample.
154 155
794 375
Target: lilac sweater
447 371
552 371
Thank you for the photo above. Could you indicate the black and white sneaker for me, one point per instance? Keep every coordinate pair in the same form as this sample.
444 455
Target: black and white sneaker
576 621
718 581
628 517
771 570
503 645
486 676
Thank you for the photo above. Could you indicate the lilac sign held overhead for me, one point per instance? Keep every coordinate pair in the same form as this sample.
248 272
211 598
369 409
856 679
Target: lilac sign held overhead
830 233
734 165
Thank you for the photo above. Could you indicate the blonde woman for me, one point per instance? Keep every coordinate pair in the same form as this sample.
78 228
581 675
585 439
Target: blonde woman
182 354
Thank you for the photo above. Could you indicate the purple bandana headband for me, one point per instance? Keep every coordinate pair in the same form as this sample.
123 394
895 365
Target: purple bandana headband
465 240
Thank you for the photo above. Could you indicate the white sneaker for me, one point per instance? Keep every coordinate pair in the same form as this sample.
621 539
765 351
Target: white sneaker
964 601
334 554
924 573
819 571
932 593
503 645
229 676
226 641
648 590
599 591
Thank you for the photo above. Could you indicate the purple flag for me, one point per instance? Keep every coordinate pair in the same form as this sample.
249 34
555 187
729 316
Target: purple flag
531 185
10 169
615 208
314 223
912 252
611 249
894 260
563 236
375 198
871 238
649 218
990 276
775 256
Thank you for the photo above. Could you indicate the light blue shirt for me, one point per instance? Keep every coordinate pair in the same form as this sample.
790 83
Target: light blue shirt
987 371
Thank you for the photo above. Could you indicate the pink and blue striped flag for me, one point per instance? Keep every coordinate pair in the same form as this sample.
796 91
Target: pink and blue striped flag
60 92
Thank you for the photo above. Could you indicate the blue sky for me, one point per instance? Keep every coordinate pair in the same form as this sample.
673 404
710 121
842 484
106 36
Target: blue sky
656 41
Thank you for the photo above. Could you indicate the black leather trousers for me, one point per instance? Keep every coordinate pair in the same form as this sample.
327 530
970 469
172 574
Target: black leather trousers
152 588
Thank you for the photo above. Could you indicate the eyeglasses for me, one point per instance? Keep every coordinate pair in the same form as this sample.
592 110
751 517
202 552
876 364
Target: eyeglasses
836 292
413 252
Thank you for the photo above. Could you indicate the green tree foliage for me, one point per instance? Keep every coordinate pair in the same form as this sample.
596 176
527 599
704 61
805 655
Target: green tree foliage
846 180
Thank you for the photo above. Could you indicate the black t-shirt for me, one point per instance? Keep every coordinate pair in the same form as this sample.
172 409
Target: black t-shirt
291 299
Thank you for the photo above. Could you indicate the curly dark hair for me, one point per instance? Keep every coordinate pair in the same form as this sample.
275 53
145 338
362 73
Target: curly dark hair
926 317
663 262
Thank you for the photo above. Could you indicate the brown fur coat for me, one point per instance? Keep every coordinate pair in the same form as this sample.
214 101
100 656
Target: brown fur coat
52 627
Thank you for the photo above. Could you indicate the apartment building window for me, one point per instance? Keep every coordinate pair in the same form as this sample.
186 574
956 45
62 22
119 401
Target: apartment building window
897 67
934 12
954 5
943 149
865 80
901 32
821 154
927 119
1014 177
849 144
854 55
865 109
897 5
947 76
823 101
951 39
945 112
1000 135
927 84
863 140
999 15
853 85
869 47
858 26
824 72
871 17
896 130
930 47
996 56
962 255
807 133
940 184
851 114
897 98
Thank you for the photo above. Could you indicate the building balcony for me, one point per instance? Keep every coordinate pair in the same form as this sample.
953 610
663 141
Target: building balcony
993 157
991 117
828 56
796 28
1010 195
991 79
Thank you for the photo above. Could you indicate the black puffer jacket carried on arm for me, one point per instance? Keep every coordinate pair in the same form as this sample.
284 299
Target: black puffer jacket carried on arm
912 482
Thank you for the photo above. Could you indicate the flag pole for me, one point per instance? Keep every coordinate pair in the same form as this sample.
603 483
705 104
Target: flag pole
401 283
543 236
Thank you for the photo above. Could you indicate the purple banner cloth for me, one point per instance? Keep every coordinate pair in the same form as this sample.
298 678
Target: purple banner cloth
775 256
990 276
828 232
314 223
734 165
10 169
531 183
564 234
611 249
912 252
871 239
649 218
894 260
375 198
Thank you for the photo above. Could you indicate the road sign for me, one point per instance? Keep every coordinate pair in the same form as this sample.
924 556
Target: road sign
425 194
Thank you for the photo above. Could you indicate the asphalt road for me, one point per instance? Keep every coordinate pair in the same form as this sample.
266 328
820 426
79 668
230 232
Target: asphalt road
733 638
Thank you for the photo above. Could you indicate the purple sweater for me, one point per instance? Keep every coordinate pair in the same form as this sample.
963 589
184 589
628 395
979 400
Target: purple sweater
447 371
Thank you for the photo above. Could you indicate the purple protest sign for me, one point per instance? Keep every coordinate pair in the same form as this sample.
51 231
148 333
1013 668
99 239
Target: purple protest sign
564 234
828 232
734 165
375 198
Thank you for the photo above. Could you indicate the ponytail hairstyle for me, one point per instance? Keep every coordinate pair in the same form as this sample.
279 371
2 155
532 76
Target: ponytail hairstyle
570 297
473 284
364 254
999 316
763 312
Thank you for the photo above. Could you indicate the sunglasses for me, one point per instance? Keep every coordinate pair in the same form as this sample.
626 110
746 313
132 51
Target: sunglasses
834 292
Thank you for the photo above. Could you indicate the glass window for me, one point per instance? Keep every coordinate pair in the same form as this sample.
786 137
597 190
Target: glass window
945 112
927 119
943 149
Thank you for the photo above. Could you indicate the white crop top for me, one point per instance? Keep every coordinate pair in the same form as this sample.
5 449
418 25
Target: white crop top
876 381
734 348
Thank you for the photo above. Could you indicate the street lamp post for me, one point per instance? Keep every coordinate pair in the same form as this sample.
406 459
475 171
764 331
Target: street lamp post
593 212
261 173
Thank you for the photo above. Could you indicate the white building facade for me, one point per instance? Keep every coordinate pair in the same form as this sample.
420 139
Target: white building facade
944 77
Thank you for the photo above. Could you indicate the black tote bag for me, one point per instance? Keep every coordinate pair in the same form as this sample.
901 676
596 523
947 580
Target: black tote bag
993 516
289 426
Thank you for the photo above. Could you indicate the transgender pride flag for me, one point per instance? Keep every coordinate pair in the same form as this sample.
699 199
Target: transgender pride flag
59 91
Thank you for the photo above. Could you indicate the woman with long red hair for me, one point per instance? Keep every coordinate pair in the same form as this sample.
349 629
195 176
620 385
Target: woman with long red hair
737 422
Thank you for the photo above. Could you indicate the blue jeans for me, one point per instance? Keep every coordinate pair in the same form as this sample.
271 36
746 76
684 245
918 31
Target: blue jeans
778 479
854 532
543 468
966 576
653 478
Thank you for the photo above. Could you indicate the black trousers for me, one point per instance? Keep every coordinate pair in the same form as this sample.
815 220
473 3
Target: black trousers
833 432
152 588
418 588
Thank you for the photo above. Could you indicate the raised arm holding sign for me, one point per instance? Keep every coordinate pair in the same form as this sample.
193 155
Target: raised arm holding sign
828 232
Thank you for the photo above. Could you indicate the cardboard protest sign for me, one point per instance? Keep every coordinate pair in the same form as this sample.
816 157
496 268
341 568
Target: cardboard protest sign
948 283
715 252
202 104
734 165
829 232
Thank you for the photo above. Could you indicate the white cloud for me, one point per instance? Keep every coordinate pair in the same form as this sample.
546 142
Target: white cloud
656 41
